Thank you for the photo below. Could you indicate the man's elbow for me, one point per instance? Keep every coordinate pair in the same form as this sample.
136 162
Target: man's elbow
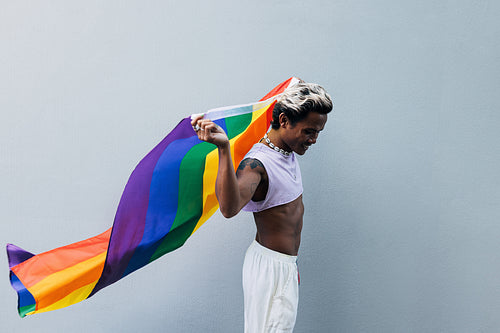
228 213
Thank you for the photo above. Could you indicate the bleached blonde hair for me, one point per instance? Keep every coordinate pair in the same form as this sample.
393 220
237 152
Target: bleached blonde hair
297 101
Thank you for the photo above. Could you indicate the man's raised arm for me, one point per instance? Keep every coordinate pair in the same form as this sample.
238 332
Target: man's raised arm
232 192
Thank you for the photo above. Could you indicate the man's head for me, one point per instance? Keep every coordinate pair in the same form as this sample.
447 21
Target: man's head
299 115
297 101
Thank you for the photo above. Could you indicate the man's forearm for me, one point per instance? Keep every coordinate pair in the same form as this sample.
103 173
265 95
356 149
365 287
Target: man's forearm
226 185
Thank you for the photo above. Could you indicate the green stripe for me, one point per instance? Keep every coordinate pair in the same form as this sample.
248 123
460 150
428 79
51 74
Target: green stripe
26 309
237 124
190 201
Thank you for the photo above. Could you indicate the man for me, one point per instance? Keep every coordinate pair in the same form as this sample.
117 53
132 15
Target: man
269 184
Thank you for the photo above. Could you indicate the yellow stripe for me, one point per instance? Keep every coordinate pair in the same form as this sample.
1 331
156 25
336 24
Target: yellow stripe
210 203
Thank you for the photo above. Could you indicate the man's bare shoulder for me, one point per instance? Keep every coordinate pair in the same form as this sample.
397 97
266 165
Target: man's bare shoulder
250 165
252 176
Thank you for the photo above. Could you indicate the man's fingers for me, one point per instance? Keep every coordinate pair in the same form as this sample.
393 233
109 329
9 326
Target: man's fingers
196 117
206 125
207 130
199 123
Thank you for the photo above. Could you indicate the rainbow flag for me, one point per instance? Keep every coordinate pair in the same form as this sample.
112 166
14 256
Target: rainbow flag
168 196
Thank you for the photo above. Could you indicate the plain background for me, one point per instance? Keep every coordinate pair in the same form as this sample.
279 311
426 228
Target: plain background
401 230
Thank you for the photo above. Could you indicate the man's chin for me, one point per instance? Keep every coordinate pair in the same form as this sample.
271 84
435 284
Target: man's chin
302 150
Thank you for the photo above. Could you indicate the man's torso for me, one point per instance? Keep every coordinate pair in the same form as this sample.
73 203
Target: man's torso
279 228
277 202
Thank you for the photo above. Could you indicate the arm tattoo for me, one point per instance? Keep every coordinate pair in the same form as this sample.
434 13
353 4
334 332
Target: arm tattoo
252 162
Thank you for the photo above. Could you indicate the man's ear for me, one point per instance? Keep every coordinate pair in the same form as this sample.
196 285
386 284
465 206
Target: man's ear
283 120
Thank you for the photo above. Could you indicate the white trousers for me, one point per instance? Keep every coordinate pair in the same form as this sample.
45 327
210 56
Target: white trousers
270 290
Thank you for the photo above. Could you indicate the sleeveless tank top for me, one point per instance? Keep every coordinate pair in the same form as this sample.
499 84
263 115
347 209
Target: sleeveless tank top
283 172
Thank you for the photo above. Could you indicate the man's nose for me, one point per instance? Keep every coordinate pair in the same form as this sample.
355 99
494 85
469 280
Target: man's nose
312 139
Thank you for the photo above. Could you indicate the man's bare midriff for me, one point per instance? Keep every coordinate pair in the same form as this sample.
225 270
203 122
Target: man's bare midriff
279 228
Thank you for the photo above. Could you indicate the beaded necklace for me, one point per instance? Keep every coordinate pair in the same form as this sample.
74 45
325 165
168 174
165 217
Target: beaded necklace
286 153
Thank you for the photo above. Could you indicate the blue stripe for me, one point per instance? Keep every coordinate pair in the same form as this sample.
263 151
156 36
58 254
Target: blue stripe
163 199
25 298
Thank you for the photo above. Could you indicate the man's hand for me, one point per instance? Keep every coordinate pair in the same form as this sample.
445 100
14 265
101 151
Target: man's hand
209 131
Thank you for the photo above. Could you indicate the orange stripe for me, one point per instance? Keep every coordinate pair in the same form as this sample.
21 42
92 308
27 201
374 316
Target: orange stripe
245 142
62 283
210 203
44 264
75 297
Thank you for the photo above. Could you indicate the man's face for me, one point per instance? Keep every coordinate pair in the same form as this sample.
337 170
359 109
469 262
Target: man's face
300 136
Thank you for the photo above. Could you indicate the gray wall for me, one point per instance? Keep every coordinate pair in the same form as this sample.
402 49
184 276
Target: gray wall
402 195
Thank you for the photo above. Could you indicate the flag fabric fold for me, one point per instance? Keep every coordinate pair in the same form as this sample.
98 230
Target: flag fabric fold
168 196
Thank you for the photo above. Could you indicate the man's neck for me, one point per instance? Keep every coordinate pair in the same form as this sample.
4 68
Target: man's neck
274 139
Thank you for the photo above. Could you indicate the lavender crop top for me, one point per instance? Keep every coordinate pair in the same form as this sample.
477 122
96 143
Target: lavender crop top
283 172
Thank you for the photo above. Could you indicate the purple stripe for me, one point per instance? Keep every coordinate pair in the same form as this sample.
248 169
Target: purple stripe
163 201
128 227
16 255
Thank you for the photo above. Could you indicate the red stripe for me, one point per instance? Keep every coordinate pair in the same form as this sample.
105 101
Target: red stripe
278 89
40 266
